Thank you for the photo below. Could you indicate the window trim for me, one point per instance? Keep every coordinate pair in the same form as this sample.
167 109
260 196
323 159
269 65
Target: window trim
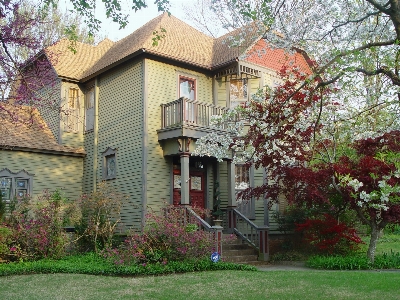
21 175
109 152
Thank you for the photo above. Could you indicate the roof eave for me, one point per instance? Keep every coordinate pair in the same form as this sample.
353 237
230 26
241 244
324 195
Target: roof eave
43 151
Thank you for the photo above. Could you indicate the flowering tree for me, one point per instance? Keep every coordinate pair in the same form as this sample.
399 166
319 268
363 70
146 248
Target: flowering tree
25 72
313 155
354 44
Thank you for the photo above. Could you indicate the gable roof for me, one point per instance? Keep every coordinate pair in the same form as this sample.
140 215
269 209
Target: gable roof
24 129
181 43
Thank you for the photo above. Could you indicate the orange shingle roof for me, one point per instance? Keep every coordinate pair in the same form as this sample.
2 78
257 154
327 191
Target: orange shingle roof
274 59
182 43
22 127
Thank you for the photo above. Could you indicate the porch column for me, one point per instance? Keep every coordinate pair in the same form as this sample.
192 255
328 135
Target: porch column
231 196
185 200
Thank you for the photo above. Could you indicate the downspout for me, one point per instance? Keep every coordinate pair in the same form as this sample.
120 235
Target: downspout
95 134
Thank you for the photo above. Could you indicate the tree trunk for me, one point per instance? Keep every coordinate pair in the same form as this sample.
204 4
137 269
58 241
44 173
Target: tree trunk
372 243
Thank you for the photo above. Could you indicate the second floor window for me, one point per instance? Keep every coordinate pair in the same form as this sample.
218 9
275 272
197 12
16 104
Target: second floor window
187 87
72 111
89 109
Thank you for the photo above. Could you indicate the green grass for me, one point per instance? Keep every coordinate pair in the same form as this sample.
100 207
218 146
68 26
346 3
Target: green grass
207 285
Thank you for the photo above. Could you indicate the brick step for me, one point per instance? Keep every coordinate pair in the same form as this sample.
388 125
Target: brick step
240 258
235 247
236 252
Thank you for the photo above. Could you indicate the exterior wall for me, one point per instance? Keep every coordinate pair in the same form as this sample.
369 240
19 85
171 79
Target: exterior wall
50 113
222 92
120 126
51 171
88 163
162 87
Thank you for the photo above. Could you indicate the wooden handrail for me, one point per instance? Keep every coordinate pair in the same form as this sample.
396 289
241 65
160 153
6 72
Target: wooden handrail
256 236
191 112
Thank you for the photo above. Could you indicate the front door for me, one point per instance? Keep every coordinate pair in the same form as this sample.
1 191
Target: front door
196 188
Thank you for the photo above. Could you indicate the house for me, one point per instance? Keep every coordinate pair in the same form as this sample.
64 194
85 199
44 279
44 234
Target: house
136 110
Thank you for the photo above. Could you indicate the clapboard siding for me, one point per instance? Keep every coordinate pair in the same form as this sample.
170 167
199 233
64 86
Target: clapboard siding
162 87
121 128
51 171
87 182
221 92
50 112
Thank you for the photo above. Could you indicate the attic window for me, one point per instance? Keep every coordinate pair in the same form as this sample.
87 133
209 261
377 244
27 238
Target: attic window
187 87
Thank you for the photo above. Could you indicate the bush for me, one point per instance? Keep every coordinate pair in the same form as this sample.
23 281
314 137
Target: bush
337 262
100 217
328 236
355 262
5 241
92 263
165 238
2 208
37 228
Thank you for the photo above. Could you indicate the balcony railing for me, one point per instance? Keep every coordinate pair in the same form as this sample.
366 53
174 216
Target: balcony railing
189 112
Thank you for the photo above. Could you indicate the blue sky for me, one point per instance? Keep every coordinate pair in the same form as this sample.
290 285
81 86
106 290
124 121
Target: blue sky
136 20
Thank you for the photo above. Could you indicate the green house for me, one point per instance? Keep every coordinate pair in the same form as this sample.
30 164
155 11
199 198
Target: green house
135 111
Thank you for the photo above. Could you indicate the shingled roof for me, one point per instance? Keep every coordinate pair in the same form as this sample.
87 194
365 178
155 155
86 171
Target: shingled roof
22 128
72 65
181 43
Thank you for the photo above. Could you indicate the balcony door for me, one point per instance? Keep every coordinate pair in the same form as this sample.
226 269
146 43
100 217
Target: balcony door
196 188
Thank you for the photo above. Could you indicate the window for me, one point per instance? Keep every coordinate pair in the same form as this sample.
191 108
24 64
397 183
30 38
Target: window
15 185
89 109
72 111
187 87
237 92
242 182
109 164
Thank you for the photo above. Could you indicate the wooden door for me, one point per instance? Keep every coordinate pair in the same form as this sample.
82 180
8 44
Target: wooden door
196 188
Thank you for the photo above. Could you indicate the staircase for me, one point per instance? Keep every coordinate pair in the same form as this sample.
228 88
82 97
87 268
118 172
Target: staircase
234 250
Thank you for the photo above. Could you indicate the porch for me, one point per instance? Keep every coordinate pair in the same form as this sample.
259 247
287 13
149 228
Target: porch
183 121
187 118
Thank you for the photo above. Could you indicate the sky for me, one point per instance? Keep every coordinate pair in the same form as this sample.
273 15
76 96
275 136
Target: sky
136 20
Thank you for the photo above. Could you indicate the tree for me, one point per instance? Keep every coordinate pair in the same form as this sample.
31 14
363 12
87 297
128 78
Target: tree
296 135
25 29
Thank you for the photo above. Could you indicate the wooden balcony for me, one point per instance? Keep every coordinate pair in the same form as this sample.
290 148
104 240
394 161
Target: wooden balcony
187 118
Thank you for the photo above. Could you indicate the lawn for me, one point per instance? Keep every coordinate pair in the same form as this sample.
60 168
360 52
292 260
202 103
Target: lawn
208 285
